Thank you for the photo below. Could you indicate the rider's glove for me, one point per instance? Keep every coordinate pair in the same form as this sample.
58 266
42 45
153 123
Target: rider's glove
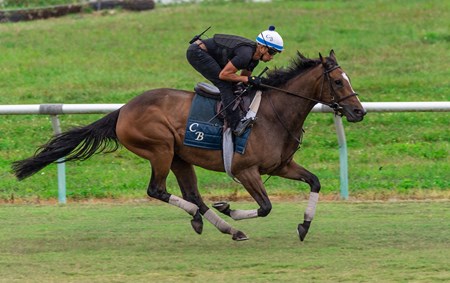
255 81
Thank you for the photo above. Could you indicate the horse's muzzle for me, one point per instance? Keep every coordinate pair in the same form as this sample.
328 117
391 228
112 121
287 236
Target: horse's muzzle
353 114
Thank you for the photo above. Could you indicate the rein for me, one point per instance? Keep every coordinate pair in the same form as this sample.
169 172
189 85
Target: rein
326 76
334 105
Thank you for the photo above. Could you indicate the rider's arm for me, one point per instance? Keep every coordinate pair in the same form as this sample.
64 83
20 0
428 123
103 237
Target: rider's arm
229 73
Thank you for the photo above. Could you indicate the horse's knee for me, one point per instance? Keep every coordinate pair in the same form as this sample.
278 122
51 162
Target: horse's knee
263 211
314 183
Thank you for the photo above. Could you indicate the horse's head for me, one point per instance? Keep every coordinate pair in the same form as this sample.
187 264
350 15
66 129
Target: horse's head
341 96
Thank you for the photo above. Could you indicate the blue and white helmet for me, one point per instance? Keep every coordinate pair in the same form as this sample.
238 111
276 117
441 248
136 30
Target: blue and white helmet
270 38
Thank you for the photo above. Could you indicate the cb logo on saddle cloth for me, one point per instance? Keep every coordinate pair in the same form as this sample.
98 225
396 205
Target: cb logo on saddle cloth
193 128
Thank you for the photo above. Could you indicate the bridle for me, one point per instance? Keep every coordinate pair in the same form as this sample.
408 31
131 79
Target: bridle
335 102
326 77
333 105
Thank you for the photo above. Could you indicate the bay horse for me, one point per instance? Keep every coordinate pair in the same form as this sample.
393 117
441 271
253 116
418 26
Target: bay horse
153 126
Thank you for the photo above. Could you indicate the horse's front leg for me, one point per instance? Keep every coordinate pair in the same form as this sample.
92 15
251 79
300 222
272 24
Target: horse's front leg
296 172
251 180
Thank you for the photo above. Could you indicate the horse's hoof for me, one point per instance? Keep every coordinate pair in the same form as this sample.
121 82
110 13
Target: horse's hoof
302 231
222 207
239 236
197 223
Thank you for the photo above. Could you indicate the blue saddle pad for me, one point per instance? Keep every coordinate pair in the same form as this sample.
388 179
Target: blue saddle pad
204 130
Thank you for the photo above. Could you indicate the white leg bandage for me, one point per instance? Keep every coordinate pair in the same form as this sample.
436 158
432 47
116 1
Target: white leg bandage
220 224
311 209
243 214
189 207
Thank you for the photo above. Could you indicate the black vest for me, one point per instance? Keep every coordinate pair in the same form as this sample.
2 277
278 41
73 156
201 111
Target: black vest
228 43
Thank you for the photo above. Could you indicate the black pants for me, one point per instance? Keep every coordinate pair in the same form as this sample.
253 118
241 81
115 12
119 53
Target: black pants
210 69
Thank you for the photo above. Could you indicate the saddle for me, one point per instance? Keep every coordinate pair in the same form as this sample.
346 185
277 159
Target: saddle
243 96
204 128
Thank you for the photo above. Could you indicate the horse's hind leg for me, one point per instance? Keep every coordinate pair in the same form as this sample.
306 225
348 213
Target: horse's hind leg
187 180
157 189
160 161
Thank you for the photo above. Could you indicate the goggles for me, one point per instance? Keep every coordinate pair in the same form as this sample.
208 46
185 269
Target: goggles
272 51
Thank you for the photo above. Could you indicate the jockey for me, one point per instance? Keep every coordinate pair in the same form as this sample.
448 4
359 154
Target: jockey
219 59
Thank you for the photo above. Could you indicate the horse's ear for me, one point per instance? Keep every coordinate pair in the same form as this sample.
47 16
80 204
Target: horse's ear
332 55
323 60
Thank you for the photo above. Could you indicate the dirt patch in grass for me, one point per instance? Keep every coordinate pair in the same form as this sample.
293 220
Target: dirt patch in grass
412 195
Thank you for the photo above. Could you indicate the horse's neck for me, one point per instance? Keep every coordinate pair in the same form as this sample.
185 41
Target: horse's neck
291 109
308 84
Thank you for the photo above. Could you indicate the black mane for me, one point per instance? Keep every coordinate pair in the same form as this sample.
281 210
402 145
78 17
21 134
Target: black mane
299 65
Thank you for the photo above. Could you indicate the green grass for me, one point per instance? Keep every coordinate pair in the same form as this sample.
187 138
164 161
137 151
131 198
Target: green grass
21 4
392 50
149 242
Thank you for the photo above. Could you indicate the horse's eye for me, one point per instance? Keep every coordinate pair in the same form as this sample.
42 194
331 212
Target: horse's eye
338 82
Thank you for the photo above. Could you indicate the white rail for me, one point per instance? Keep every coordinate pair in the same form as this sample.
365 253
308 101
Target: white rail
435 106
57 109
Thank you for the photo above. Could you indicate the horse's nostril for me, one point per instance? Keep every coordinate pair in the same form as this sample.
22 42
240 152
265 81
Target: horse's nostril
360 112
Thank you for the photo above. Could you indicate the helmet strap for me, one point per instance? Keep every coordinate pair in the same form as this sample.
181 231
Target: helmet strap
258 49
262 36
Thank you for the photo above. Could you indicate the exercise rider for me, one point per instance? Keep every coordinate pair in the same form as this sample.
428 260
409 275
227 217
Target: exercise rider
220 58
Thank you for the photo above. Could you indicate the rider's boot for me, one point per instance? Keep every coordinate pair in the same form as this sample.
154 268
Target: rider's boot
243 125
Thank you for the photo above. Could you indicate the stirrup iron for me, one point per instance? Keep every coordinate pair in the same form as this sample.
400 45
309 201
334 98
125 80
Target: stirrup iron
243 125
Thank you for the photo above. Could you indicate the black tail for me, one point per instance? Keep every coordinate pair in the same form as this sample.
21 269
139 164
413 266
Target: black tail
76 144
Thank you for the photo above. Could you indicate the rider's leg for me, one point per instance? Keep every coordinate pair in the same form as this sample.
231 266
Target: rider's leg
210 69
228 99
